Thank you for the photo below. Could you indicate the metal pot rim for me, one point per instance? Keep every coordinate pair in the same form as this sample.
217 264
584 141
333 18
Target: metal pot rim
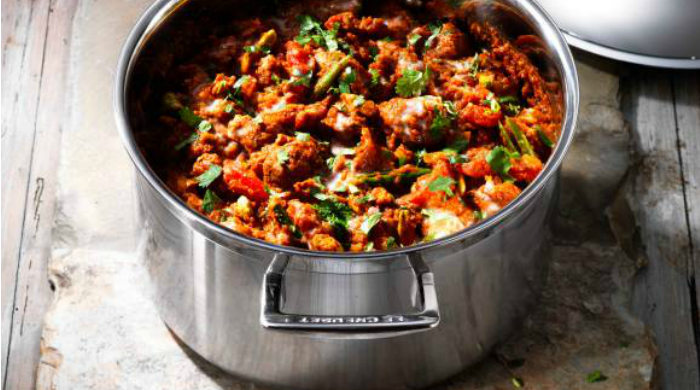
151 19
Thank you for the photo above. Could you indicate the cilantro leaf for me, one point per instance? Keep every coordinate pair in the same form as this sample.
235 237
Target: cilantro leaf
311 30
499 160
474 66
283 218
390 242
346 80
187 141
359 100
210 201
457 147
412 82
492 102
365 199
206 178
479 215
370 222
299 78
439 124
443 184
282 156
435 31
189 117
413 39
334 212
375 76
204 126
304 137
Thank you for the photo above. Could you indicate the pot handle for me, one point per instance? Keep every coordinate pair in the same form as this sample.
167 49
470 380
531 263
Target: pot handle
272 317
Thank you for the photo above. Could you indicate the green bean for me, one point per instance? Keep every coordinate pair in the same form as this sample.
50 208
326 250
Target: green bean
525 146
327 80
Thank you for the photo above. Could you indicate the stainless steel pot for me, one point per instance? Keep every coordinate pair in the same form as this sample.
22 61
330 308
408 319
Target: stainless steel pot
400 319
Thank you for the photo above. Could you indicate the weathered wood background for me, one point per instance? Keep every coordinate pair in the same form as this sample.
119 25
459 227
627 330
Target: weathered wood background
662 193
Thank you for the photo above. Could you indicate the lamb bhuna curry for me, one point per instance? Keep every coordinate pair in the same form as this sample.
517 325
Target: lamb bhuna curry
355 130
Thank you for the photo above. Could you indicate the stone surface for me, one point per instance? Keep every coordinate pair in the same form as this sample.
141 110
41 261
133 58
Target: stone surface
102 332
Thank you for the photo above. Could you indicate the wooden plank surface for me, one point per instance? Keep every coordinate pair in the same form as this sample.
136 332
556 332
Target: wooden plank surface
23 40
35 67
663 297
686 86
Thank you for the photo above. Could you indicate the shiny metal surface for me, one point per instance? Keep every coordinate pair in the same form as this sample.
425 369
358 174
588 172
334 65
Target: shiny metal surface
664 33
271 315
210 283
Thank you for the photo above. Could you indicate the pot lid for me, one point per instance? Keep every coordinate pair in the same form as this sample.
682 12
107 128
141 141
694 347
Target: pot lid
664 33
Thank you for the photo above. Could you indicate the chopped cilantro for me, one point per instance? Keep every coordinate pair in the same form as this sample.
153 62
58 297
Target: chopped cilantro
412 82
435 31
346 80
420 155
190 139
373 51
189 117
492 102
210 201
334 212
499 160
439 124
370 222
596 376
204 126
276 79
331 162
359 100
365 199
508 99
311 30
474 66
282 156
369 247
239 83
443 184
479 215
283 218
375 76
299 78
450 109
457 147
206 178
304 137
413 39
228 108
390 243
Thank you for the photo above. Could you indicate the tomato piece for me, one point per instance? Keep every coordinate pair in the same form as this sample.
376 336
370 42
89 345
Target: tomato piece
245 184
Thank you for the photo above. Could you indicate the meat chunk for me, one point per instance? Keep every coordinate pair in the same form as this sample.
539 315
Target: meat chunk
290 160
325 242
204 162
411 120
249 133
449 43
370 155
494 195
347 117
